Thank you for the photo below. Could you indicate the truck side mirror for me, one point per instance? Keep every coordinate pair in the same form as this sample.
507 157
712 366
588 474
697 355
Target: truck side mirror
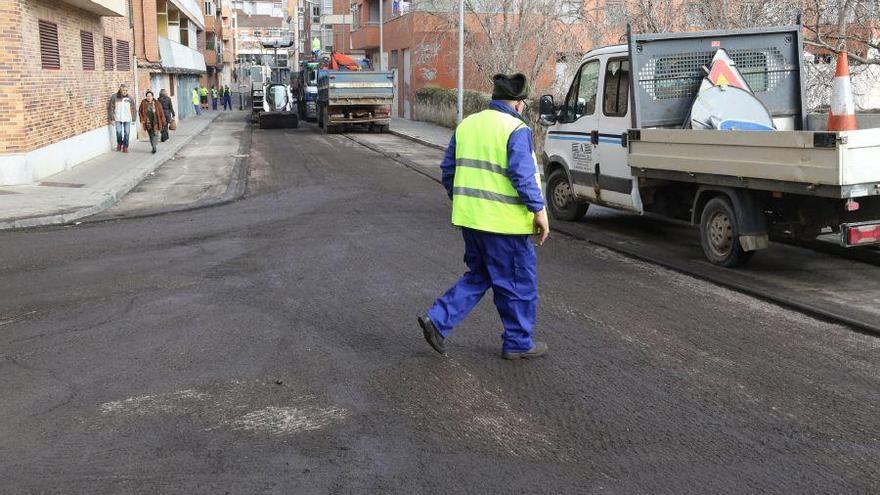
547 109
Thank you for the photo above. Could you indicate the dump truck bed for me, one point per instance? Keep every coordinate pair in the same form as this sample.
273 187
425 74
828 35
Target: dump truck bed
355 88
827 164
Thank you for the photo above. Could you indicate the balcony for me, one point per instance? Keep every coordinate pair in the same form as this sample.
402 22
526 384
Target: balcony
180 59
210 58
109 8
191 9
365 37
210 24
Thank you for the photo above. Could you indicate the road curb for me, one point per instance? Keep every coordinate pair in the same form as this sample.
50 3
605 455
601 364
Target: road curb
235 189
109 198
431 174
418 140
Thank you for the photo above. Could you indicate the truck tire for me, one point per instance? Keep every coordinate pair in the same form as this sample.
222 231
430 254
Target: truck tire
561 200
719 234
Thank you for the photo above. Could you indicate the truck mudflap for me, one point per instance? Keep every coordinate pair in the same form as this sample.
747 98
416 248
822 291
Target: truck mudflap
860 234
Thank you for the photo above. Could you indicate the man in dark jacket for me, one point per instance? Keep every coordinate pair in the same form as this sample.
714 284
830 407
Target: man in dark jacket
227 98
168 110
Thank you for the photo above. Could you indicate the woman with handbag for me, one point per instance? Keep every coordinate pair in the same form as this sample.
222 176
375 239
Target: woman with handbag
168 110
152 118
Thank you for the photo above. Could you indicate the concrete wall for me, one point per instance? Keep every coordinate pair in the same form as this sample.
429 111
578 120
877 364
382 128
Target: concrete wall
819 121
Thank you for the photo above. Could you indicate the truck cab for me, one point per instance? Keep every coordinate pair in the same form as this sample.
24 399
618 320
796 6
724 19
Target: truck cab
307 90
586 141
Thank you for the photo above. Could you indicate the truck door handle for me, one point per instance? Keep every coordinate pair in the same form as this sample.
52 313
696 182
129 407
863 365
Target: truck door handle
594 137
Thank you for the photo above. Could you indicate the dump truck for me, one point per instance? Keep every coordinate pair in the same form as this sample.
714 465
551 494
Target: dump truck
306 85
354 97
624 138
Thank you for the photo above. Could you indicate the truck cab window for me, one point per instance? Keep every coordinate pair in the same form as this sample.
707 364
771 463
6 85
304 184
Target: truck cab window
581 98
616 92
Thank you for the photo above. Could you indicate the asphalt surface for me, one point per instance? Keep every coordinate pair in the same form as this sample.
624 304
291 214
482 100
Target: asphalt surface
270 346
822 279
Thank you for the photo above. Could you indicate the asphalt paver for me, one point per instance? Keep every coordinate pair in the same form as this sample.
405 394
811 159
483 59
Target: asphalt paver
270 345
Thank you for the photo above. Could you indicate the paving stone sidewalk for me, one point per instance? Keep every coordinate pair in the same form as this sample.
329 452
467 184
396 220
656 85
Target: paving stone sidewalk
94 185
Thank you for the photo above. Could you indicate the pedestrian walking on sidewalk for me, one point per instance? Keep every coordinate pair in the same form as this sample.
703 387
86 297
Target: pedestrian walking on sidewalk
195 101
168 110
203 97
152 118
227 98
214 96
491 175
121 113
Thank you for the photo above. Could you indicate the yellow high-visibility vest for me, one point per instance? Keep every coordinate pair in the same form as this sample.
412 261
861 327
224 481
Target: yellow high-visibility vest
483 198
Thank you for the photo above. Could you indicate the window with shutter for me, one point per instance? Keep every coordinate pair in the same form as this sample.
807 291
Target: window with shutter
87 41
108 53
123 61
49 56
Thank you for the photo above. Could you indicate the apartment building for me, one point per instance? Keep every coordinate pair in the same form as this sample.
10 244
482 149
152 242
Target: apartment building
219 49
264 21
329 22
166 46
59 62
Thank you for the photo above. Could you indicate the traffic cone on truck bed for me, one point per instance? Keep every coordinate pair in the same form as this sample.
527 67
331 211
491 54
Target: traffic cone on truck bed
842 116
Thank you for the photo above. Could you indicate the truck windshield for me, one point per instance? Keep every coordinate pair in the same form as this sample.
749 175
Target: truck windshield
581 98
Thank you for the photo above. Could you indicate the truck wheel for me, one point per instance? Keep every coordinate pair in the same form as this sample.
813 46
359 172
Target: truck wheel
385 128
561 200
719 234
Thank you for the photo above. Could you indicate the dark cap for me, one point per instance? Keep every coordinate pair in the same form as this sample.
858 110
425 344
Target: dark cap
513 87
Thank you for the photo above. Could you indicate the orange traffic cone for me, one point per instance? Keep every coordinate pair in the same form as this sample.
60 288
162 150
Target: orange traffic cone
842 116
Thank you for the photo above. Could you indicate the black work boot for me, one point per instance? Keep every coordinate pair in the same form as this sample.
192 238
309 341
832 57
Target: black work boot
432 335
539 349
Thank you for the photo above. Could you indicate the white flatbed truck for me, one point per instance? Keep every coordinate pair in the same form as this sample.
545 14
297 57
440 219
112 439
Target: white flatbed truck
622 145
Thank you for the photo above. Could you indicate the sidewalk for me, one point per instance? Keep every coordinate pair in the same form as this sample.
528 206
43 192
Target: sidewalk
94 185
433 135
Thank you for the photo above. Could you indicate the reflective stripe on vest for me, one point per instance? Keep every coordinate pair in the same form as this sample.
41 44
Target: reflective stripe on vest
483 198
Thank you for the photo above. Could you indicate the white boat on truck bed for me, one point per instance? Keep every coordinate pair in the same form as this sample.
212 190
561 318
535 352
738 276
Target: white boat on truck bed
622 145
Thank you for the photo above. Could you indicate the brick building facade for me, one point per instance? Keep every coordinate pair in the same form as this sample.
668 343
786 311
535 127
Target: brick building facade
216 44
59 63
169 39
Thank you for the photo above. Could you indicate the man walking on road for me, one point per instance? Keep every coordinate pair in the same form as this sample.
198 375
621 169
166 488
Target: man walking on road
227 98
214 96
121 113
490 173
203 96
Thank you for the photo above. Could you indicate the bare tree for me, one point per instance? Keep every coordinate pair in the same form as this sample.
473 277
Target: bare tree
507 36
829 27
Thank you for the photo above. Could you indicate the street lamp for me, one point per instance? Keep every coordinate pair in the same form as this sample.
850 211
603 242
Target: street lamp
381 37
460 97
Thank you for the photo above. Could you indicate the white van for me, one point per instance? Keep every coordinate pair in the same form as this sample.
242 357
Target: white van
622 144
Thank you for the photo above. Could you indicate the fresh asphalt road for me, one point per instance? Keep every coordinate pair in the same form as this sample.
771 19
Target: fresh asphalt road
270 346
